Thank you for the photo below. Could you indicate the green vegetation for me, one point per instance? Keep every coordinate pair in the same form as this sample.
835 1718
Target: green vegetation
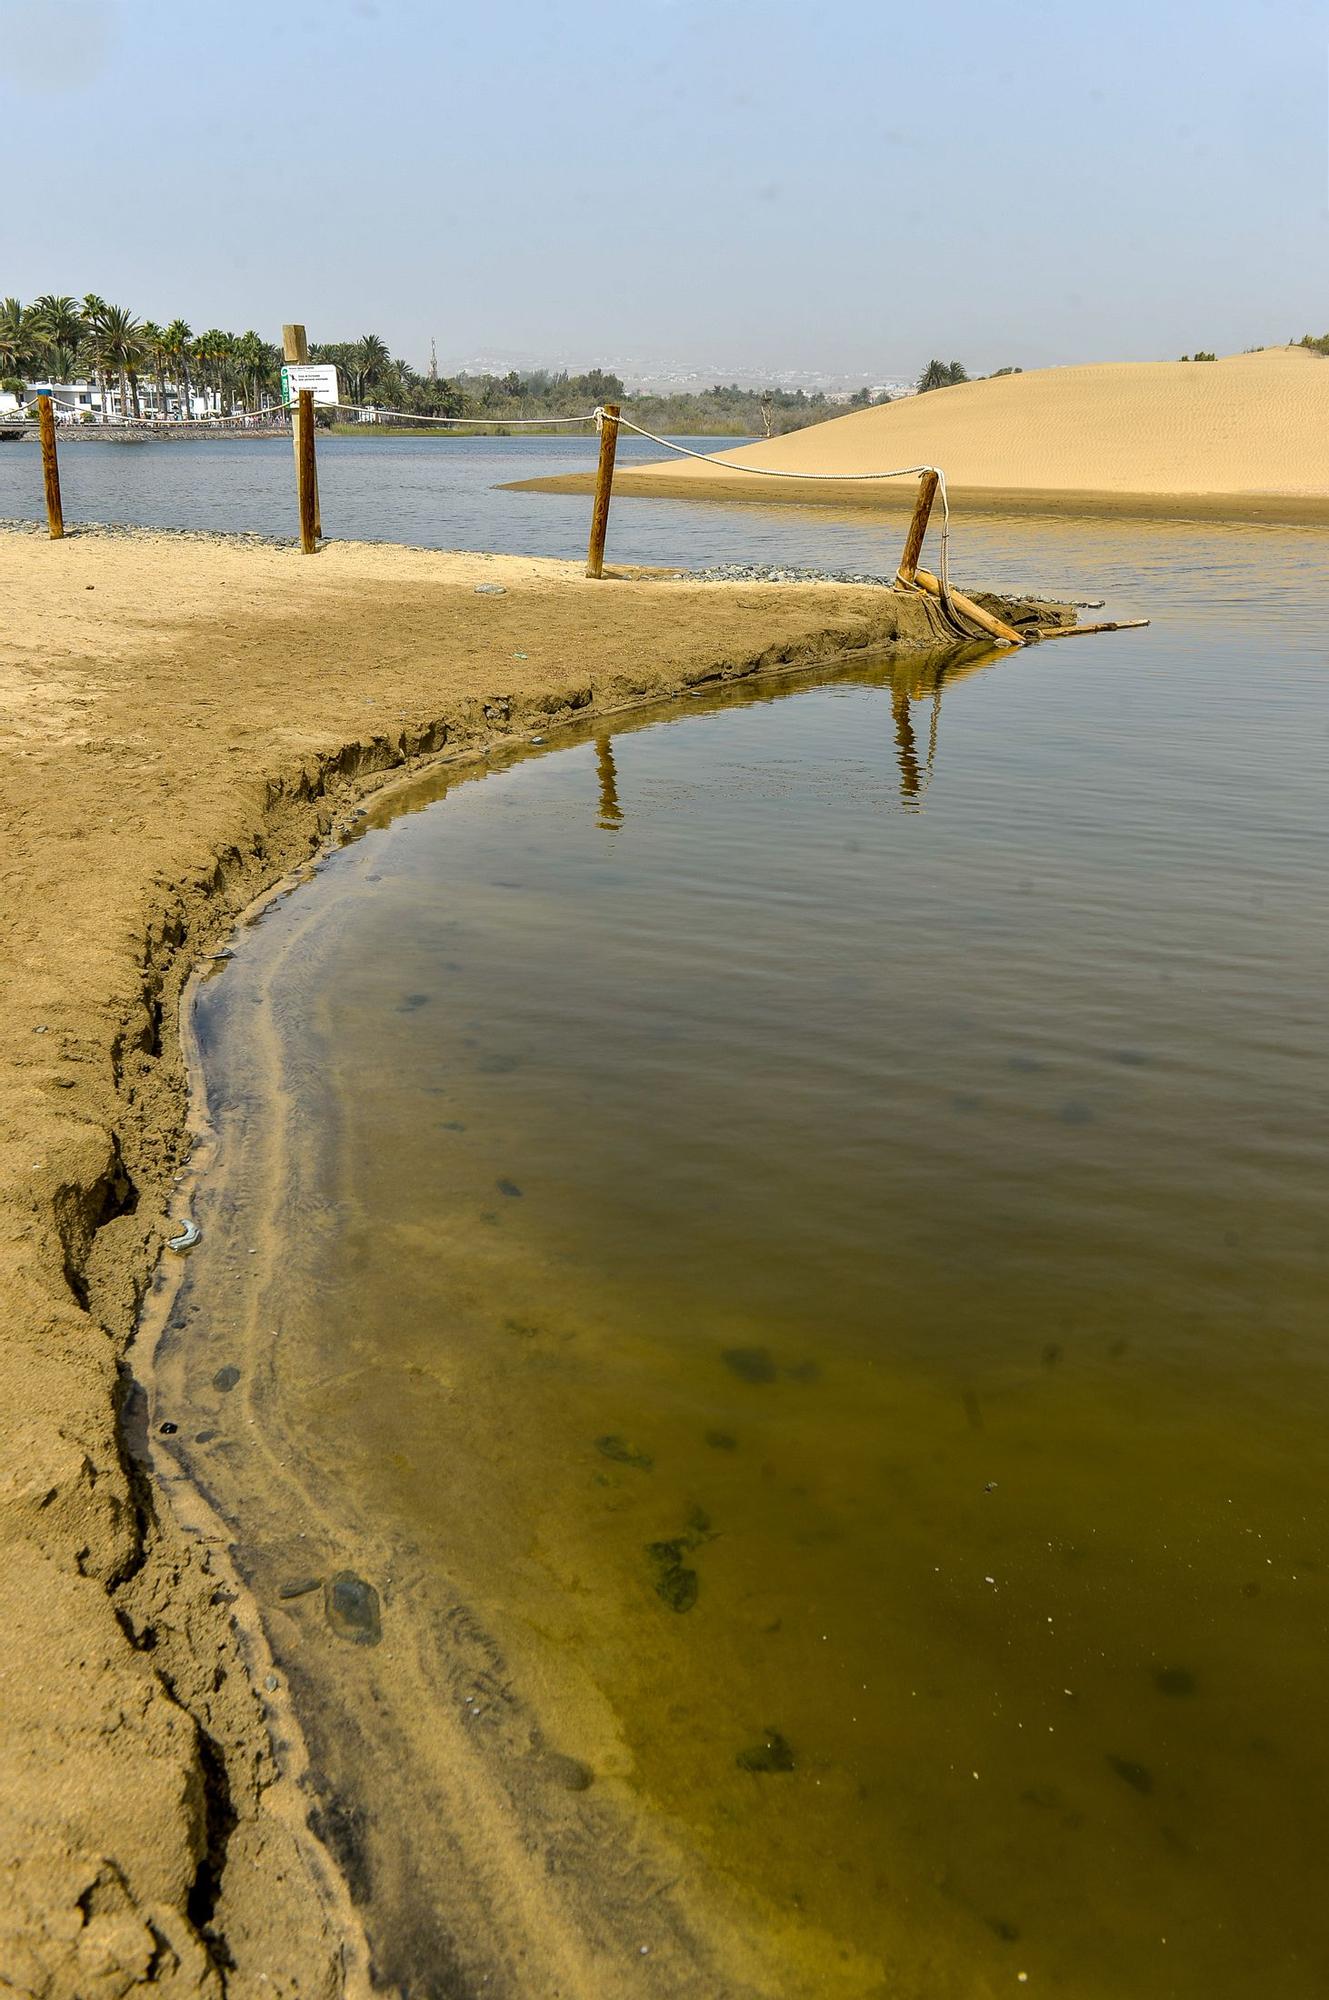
60 338
1199 355
1317 342
941 375
722 411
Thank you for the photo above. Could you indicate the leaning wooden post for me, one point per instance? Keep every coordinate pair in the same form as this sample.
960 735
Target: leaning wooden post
604 485
307 475
55 513
295 347
918 527
968 609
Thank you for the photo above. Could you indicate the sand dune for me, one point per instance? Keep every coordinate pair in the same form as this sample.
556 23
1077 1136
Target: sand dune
1247 436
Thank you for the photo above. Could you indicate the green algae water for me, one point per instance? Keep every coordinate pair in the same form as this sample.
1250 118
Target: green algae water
760 1326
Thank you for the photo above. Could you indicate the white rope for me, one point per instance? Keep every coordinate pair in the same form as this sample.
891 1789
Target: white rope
472 423
597 417
774 472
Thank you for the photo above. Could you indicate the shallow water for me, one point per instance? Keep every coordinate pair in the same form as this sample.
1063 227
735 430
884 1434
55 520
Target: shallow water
786 1242
431 492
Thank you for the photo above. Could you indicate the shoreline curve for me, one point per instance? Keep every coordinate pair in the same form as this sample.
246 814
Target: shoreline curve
188 718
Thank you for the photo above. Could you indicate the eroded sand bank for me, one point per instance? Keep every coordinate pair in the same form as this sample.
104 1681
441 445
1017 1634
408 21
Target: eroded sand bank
184 718
1245 438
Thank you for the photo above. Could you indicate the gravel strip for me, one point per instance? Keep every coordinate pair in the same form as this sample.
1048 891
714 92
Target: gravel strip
773 573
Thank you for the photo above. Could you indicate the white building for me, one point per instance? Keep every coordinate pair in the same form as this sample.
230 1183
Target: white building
81 401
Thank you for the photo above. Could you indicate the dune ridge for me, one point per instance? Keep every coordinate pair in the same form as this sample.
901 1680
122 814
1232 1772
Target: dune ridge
1245 437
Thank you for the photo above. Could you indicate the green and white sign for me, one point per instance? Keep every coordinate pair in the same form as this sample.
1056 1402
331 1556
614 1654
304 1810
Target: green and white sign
320 379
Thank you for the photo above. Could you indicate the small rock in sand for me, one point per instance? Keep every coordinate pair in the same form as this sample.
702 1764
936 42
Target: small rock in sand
351 1607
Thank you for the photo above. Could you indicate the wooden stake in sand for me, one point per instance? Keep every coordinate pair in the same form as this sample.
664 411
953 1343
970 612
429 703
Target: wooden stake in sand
604 482
306 474
294 347
918 527
55 513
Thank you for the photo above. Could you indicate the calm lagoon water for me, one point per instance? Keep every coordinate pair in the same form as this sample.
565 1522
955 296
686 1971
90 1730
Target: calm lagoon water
787 1242
431 492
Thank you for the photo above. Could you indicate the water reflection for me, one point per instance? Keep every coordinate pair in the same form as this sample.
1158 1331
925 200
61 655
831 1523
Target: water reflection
913 681
611 813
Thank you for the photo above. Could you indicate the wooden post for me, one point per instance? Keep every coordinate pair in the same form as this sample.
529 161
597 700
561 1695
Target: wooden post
604 483
918 527
968 609
55 513
307 475
294 347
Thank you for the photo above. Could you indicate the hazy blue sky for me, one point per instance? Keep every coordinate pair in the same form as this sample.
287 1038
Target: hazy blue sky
846 185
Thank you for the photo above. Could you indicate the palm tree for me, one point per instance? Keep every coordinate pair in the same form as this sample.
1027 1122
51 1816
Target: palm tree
18 339
176 339
213 351
157 352
369 358
60 363
941 375
224 353
59 327
253 358
133 352
96 349
120 344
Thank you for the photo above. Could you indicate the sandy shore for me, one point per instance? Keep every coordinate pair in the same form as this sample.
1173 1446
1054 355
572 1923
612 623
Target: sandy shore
1245 438
184 719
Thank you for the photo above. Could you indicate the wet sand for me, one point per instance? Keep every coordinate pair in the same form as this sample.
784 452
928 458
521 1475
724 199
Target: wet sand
185 719
1244 438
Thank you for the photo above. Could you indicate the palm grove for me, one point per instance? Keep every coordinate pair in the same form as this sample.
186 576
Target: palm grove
58 338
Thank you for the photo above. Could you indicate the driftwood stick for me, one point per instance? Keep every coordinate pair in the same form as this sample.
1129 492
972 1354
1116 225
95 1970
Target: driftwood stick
1077 631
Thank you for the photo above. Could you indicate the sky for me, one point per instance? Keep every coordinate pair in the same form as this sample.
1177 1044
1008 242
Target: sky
843 187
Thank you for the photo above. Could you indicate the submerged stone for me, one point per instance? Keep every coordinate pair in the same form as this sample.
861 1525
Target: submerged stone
721 1441
507 1187
623 1453
674 1581
1137 1776
300 1587
351 1607
750 1364
771 1754
568 1772
1174 1680
226 1378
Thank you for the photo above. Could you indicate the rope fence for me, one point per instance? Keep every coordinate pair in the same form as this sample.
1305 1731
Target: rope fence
964 619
